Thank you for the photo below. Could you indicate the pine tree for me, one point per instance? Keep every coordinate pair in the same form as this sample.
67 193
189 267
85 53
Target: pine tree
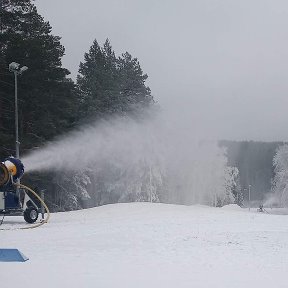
71 189
97 81
280 181
134 93
109 85
232 185
47 101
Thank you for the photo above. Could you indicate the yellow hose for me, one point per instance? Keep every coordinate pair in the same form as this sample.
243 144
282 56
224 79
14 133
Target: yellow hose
41 201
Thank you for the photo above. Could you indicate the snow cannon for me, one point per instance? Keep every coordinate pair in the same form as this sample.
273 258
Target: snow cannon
14 199
11 170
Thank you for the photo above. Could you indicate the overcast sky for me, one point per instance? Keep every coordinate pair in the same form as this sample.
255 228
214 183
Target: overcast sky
220 64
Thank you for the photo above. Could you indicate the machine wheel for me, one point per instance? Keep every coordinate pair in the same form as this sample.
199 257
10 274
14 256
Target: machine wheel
31 214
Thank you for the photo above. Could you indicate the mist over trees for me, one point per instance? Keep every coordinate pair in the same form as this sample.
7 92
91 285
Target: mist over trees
51 104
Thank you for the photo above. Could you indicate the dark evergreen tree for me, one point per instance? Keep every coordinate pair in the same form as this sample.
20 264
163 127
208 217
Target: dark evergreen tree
97 81
47 99
109 85
134 93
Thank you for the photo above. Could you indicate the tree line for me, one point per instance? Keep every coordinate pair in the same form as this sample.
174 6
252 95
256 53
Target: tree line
50 103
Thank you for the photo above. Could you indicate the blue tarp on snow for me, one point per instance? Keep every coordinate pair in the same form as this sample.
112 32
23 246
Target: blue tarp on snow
12 255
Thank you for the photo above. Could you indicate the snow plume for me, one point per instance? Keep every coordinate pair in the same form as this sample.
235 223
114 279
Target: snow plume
271 199
139 160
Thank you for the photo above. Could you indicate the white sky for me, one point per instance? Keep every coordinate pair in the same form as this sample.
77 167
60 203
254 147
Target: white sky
219 64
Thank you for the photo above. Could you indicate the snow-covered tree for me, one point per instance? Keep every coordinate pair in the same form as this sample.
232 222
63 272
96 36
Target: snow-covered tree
232 187
71 189
280 181
141 182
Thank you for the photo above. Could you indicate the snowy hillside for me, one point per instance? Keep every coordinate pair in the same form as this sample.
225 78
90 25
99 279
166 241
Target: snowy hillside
150 245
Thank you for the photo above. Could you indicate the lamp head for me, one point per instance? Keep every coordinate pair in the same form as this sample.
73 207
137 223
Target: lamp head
24 68
14 66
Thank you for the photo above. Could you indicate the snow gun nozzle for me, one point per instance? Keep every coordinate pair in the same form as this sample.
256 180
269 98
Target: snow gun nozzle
11 169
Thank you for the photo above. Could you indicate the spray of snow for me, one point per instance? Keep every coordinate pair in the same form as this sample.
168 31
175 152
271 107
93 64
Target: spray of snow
196 169
271 199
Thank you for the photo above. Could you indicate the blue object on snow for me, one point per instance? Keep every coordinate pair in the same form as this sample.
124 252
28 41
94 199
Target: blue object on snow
12 255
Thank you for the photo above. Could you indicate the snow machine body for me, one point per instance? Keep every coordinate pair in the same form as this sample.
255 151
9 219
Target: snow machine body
15 201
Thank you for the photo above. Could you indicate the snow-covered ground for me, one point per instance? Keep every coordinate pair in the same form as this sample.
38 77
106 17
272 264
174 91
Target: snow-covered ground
150 245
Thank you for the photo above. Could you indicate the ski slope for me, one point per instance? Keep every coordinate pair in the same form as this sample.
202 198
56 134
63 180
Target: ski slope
150 245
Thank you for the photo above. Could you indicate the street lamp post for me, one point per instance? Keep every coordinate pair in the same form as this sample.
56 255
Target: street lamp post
15 68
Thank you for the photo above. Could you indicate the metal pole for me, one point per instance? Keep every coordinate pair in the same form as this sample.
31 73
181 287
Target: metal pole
17 129
14 67
16 117
42 207
249 196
